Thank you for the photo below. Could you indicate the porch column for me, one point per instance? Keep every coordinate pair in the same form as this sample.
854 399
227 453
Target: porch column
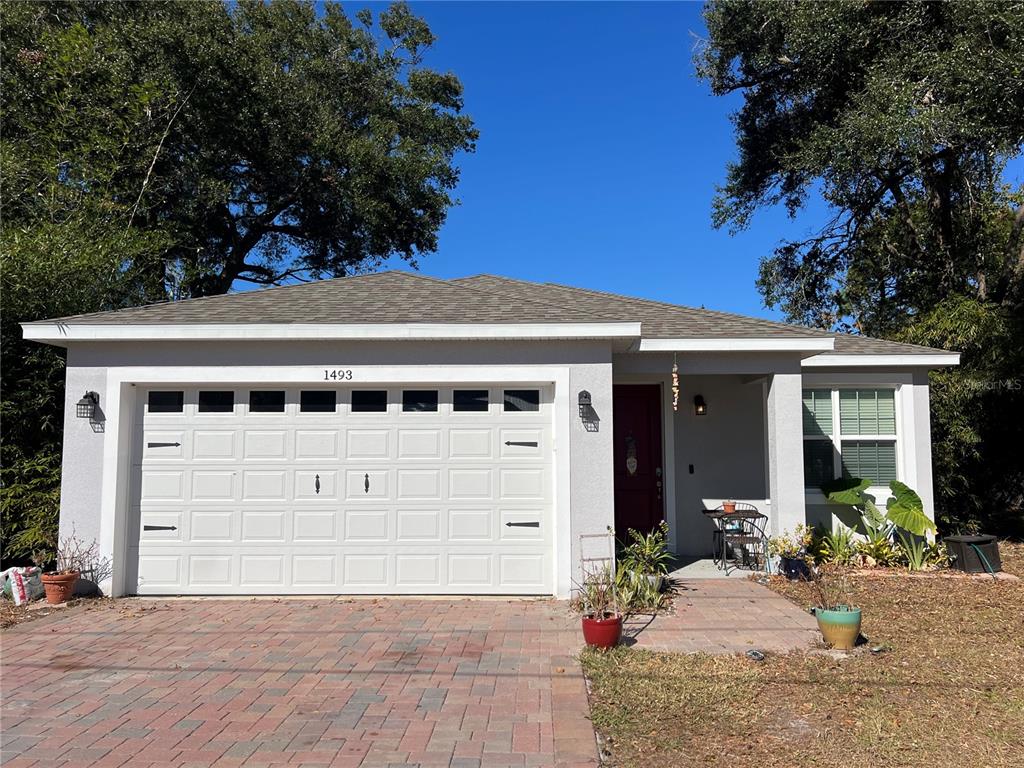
785 451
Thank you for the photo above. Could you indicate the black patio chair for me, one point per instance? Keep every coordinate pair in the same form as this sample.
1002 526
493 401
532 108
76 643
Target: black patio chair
745 532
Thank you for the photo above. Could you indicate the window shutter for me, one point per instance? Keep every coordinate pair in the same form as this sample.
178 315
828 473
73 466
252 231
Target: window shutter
817 412
874 460
867 411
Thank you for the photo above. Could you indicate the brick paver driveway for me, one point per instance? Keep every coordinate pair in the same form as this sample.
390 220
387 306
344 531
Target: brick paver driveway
297 682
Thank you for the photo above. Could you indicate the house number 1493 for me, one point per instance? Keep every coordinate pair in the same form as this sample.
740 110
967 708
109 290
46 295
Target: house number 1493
337 374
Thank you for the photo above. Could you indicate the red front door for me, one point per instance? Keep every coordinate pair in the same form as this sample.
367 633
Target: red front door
639 480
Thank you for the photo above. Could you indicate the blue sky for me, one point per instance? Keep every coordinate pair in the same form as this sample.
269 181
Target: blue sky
598 156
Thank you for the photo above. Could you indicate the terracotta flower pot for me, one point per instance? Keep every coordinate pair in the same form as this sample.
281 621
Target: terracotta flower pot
59 586
728 507
602 633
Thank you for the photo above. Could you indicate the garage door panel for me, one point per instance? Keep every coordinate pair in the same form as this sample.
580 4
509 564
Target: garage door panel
366 525
263 445
469 483
211 525
373 502
521 484
470 569
163 445
316 444
162 526
471 525
264 485
314 570
167 485
316 485
367 444
417 570
262 570
315 527
522 443
418 484
470 444
213 485
210 570
264 526
367 484
366 570
418 525
419 443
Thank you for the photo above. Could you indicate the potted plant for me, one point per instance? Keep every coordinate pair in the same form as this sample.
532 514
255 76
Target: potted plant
596 601
728 507
72 557
838 619
647 555
791 550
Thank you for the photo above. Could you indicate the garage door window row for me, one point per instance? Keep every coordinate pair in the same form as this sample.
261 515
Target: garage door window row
362 401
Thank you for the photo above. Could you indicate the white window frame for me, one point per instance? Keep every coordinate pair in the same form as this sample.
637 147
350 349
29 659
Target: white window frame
836 436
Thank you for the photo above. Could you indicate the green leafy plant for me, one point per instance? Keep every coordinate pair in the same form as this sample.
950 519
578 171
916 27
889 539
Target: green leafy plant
647 553
836 547
636 593
915 550
890 536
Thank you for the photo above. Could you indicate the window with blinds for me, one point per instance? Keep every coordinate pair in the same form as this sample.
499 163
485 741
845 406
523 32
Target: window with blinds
849 433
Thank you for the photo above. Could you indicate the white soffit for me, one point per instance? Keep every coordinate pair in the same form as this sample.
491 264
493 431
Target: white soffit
937 360
61 333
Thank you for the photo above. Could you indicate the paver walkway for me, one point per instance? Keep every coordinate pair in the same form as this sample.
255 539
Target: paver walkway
389 682
725 616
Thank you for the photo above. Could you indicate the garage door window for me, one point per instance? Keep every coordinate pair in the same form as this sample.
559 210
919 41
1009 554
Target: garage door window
216 401
266 402
419 400
369 401
522 400
166 402
470 400
318 400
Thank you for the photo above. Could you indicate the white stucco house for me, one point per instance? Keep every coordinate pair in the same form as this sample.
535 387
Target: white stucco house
398 434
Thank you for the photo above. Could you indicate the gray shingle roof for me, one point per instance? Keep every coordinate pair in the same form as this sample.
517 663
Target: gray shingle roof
670 321
403 297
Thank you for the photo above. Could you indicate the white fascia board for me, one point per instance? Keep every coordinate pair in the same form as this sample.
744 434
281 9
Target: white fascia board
936 360
811 344
62 333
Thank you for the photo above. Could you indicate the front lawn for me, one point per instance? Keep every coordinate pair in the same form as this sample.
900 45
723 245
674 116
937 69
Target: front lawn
945 688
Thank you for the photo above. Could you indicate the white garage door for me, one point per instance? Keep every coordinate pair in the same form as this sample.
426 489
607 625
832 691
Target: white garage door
410 490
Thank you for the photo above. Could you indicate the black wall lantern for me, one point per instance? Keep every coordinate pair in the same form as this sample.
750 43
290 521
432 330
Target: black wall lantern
586 402
86 408
700 408
591 421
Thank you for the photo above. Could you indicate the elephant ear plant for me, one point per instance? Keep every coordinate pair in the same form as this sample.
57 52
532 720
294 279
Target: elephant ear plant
904 519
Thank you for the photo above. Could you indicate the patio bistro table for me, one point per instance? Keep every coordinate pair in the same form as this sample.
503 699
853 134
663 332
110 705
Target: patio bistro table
726 522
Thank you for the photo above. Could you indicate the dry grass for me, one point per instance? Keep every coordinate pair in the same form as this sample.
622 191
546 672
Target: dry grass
947 688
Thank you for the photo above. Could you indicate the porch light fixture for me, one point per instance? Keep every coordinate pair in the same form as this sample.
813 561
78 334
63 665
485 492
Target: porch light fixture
700 408
86 408
591 421
586 402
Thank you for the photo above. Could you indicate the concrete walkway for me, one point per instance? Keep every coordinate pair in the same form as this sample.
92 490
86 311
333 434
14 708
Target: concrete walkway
259 683
725 616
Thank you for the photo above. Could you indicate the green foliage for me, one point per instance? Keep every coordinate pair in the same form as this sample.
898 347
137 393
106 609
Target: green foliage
267 140
647 553
915 550
905 510
30 506
793 544
836 547
638 592
902 117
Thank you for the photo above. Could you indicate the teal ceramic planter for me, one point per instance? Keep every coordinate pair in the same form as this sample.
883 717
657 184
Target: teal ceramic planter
839 628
